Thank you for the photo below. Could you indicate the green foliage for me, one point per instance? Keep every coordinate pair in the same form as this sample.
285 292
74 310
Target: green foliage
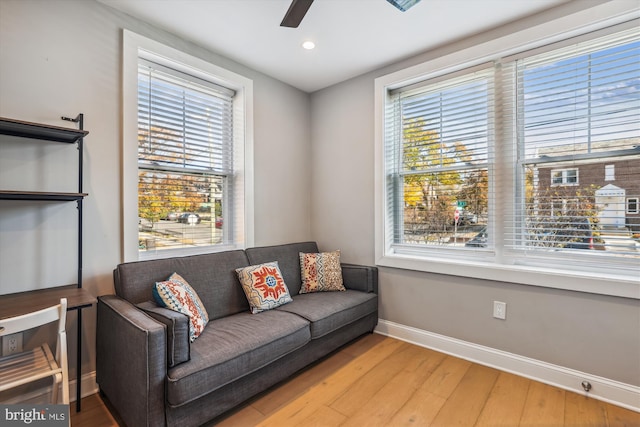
431 190
475 192
159 192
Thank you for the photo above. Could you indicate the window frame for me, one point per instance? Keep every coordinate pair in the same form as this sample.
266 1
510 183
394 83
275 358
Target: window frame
565 177
136 46
637 203
476 84
494 263
609 172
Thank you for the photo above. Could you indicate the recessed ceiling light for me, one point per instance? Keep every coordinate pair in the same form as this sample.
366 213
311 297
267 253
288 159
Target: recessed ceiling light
308 45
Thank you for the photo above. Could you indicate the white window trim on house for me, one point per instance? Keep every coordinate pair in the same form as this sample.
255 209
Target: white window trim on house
484 265
637 203
136 46
565 177
610 172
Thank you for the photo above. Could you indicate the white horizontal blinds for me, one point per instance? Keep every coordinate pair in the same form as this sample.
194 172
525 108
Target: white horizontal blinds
440 160
183 122
185 158
579 116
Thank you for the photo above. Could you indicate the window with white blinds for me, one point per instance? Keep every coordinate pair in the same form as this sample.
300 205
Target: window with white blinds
438 158
578 119
185 159
530 161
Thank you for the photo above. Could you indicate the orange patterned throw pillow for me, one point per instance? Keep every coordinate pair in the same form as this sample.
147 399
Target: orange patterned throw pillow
177 295
321 272
264 286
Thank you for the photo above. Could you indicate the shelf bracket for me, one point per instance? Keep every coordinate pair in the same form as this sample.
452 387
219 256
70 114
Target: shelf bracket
74 120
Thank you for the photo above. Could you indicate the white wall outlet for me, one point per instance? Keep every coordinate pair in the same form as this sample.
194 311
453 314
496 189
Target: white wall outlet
12 344
500 310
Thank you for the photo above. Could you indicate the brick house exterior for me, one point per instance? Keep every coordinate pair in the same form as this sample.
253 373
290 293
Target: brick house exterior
614 183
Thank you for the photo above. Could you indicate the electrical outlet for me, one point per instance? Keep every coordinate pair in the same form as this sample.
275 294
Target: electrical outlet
500 310
12 344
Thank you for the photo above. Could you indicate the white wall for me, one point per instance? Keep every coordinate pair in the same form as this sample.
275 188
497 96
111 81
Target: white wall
594 334
63 57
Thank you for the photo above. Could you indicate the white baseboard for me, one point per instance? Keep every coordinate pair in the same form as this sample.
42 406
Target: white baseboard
614 392
42 395
89 386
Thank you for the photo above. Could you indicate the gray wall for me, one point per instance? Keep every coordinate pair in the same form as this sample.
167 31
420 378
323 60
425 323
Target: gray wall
595 334
64 57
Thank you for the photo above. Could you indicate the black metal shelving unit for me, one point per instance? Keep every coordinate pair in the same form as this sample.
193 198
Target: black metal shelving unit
43 132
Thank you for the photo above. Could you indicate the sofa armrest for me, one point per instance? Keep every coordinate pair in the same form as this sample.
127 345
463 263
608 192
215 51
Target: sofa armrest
178 344
131 361
360 277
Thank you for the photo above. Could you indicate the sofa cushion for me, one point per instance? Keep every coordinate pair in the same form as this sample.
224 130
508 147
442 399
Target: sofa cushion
321 272
233 347
328 311
176 294
212 276
288 257
264 286
177 331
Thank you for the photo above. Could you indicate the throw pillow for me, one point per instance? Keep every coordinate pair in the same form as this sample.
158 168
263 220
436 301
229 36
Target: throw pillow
321 272
264 286
176 294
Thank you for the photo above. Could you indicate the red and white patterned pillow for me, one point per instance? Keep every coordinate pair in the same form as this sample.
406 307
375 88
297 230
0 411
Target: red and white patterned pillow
177 295
321 272
264 286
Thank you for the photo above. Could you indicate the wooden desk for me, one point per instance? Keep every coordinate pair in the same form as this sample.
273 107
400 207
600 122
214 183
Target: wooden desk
25 302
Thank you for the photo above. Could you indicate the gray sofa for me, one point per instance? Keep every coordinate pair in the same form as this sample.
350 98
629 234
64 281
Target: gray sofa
152 376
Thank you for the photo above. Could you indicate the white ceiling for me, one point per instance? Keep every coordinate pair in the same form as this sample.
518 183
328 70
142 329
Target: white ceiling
352 36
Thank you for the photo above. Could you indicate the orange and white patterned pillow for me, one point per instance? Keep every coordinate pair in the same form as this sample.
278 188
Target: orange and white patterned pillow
177 295
321 272
264 286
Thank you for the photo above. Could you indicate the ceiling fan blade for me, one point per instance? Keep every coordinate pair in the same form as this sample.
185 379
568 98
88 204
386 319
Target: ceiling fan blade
403 5
296 12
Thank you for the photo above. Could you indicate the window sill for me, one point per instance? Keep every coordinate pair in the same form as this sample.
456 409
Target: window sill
182 252
622 285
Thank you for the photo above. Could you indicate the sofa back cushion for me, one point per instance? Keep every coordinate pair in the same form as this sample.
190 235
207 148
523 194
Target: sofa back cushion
212 276
288 257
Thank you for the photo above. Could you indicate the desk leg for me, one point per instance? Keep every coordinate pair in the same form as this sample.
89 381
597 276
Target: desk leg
79 364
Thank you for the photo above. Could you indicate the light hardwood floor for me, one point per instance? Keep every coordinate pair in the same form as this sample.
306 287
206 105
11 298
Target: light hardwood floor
381 381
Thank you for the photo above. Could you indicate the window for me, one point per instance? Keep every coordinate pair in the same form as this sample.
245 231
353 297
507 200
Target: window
564 177
577 105
517 147
187 153
633 205
438 162
610 172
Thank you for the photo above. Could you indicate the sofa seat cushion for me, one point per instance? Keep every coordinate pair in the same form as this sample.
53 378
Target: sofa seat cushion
232 347
328 311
